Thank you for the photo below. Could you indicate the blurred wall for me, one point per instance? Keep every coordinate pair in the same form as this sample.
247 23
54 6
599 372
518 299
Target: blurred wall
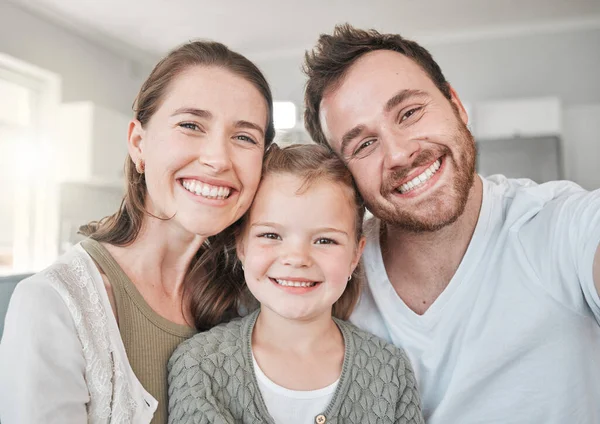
89 71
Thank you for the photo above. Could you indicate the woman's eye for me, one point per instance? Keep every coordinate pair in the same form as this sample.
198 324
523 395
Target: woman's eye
247 139
270 236
409 113
325 240
189 126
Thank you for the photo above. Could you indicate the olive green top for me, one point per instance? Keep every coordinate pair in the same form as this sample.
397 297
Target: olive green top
149 339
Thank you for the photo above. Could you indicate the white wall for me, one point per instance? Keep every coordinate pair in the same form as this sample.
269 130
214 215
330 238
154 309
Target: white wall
564 64
582 144
88 70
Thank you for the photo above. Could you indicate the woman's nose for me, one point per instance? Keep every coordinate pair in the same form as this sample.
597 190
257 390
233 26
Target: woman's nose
215 154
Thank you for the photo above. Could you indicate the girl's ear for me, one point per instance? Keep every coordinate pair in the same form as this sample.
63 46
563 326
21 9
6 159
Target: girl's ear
358 253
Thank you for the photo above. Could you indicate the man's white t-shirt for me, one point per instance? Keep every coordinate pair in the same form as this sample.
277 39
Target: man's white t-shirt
515 336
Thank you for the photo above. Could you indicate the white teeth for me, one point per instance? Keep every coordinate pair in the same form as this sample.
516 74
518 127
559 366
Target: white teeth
288 283
206 190
420 179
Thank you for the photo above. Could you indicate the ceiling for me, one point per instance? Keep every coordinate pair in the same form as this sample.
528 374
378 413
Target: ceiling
271 28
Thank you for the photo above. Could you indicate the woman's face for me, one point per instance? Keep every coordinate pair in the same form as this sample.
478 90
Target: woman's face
202 150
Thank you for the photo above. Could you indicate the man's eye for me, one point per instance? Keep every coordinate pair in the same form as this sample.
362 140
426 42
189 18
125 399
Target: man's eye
270 236
409 113
364 146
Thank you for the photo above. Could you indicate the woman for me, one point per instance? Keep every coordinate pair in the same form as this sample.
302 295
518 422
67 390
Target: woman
88 339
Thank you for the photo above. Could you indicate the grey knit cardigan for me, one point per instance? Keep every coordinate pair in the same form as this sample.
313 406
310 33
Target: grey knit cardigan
212 380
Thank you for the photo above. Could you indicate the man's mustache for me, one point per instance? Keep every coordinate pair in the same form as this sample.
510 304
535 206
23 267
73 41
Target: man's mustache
426 157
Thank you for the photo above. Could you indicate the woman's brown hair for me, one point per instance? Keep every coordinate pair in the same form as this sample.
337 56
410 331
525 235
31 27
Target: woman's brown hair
211 297
313 163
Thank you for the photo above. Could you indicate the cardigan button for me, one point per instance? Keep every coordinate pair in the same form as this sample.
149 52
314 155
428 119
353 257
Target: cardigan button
320 419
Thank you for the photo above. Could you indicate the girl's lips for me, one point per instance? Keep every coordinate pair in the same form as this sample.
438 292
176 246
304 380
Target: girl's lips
303 287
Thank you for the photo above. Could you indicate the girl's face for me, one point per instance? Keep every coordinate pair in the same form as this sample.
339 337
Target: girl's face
299 248
202 150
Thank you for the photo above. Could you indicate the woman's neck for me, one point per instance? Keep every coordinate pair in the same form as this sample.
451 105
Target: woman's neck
159 257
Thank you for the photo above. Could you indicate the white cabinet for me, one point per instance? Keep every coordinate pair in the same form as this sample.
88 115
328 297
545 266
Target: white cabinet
93 143
517 118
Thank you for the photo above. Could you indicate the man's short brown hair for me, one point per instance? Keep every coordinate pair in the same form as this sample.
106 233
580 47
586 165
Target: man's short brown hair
334 54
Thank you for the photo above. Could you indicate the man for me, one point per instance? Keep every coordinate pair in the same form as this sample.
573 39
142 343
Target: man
491 285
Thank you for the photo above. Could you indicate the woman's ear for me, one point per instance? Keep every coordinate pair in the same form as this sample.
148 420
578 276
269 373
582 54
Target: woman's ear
135 139
239 248
360 247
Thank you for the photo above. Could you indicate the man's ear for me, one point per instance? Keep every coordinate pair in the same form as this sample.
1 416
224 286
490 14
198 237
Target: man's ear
135 140
455 100
358 253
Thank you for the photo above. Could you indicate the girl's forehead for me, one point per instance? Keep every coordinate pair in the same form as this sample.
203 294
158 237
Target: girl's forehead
288 199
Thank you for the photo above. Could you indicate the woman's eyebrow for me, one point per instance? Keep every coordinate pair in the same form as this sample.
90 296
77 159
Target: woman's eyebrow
201 113
248 124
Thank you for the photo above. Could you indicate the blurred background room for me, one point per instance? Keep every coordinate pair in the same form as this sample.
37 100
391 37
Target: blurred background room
527 70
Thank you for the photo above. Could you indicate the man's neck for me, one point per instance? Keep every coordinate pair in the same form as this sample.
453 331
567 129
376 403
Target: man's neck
421 265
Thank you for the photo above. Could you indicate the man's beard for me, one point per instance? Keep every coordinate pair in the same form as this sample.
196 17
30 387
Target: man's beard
440 214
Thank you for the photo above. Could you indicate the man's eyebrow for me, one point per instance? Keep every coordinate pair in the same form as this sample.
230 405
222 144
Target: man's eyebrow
349 136
398 98
200 113
248 124
402 96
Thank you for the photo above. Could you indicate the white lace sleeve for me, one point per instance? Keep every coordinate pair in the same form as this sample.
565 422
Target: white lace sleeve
42 364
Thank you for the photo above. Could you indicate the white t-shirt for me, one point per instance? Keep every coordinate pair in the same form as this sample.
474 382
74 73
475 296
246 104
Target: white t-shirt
293 406
515 336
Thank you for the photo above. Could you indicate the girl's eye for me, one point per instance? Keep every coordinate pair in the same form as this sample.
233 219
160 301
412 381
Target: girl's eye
246 139
325 240
189 126
270 236
409 113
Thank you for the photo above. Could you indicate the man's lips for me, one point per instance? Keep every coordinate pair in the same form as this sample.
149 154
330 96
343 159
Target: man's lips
419 178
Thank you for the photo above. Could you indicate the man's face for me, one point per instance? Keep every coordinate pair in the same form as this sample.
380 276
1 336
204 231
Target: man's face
407 145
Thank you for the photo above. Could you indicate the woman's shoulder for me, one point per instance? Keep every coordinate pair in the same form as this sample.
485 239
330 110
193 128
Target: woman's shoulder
69 270
366 344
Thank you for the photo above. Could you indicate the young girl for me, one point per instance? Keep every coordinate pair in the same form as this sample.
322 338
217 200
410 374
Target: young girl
295 360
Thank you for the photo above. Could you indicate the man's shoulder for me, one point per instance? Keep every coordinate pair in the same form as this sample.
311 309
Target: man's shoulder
523 188
523 199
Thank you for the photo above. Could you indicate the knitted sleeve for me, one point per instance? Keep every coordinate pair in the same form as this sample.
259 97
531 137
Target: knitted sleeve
191 397
408 407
